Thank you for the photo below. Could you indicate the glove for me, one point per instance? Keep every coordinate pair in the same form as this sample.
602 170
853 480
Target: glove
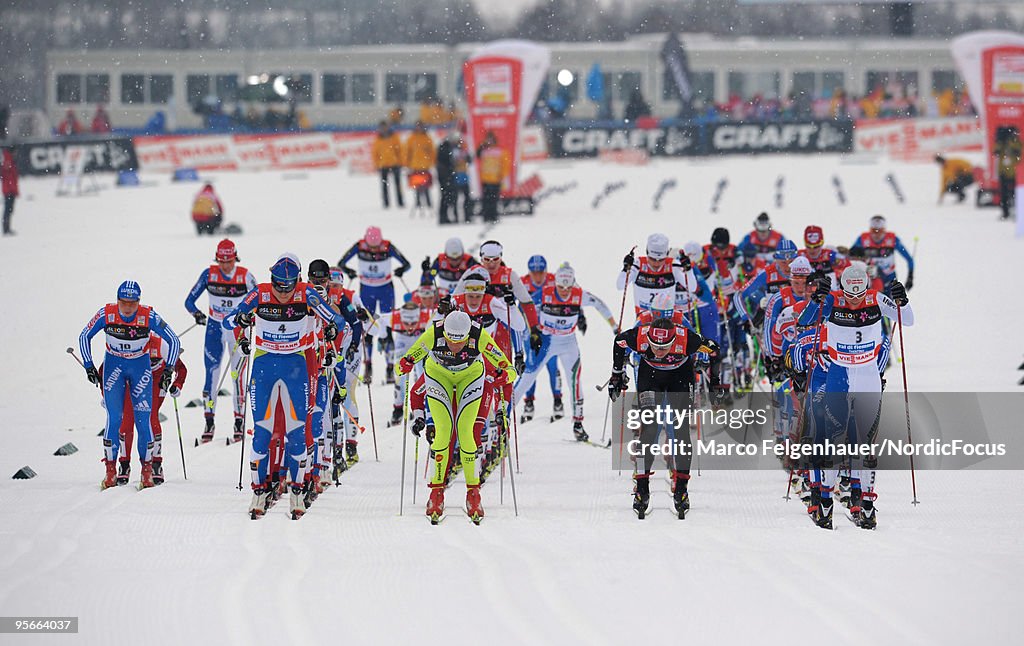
444 306
684 261
351 352
711 347
404 366
331 332
165 379
510 298
400 271
92 375
174 391
329 358
747 327
898 293
701 361
244 319
351 273
581 323
822 286
503 377
910 280
758 317
775 370
418 422
340 393
616 385
536 339
243 344
430 434
627 261
199 317
425 265
520 363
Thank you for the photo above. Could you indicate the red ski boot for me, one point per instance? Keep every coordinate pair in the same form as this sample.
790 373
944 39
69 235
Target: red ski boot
473 508
111 479
435 504
147 476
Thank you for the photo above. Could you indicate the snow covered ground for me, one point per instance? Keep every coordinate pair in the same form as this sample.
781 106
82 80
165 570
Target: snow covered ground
184 564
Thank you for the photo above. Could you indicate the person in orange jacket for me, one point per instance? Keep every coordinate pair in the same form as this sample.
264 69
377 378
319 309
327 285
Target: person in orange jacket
387 159
419 158
494 165
957 174
207 211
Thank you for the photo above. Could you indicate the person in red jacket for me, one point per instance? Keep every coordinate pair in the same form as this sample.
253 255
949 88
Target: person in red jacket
157 349
100 121
70 125
9 180
207 211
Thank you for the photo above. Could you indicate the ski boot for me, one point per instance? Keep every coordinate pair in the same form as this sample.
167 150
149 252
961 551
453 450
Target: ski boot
720 395
297 502
579 433
473 508
124 470
158 471
390 375
680 497
844 491
527 411
239 429
805 491
367 372
351 453
813 501
435 504
208 431
866 517
260 502
396 416
340 463
558 412
146 480
855 501
111 477
823 516
641 495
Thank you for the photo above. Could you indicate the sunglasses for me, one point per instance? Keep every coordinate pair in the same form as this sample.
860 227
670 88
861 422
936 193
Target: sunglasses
284 286
476 289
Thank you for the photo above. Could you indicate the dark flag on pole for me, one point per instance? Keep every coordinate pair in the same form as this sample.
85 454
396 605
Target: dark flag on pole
678 67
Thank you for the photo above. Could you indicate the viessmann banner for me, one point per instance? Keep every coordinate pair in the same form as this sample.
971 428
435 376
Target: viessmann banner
705 139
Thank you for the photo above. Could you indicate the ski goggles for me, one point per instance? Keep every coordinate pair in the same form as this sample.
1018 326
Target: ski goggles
789 254
475 288
284 285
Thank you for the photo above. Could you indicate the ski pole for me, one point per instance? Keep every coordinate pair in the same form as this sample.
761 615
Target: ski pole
181 446
74 356
625 288
604 427
241 448
186 330
906 402
405 438
512 409
402 279
415 463
618 328
805 404
373 424
511 474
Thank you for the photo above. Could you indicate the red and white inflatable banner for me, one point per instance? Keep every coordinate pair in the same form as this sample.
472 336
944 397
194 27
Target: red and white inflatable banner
502 80
923 137
992 65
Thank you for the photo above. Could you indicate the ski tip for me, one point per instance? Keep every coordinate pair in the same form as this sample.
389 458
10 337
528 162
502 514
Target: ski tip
227 441
197 442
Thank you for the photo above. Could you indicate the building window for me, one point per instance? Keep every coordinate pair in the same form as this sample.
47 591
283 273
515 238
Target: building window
97 88
943 80
830 82
133 89
396 87
161 88
626 84
702 84
227 87
364 88
424 86
69 88
301 85
333 88
898 84
747 85
197 87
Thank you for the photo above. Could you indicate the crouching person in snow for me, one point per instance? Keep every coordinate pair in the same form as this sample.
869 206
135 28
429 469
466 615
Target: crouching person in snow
126 325
279 391
454 351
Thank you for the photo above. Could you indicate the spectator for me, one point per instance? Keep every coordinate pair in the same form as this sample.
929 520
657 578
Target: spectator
432 112
1008 152
957 174
101 121
453 161
387 159
396 115
454 114
207 211
70 125
9 182
419 159
494 170
636 107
